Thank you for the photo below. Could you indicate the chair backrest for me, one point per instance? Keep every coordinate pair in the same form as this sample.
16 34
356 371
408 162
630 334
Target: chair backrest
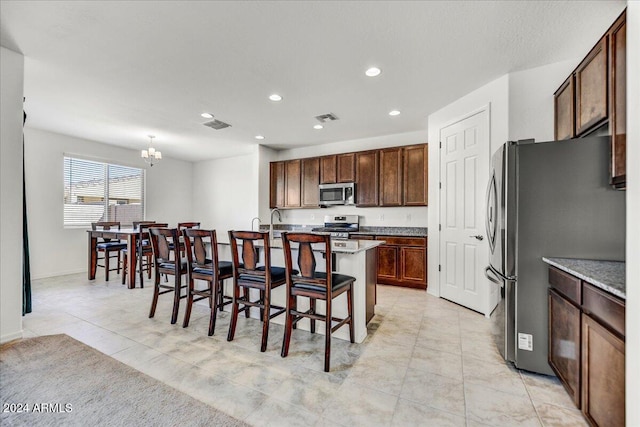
306 260
164 241
137 224
195 244
245 240
143 231
105 226
185 225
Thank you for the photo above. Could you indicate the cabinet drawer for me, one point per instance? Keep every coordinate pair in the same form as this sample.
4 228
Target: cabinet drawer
403 241
566 284
606 308
361 237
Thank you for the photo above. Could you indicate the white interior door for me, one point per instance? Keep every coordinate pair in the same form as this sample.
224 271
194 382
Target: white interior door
464 173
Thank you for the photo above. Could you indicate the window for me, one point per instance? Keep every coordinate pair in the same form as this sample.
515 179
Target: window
96 191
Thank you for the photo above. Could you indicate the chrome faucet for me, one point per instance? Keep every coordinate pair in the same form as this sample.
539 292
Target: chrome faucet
252 220
274 210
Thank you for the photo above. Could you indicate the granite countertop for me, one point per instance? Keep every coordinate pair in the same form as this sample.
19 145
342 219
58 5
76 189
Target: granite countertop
337 246
606 275
364 230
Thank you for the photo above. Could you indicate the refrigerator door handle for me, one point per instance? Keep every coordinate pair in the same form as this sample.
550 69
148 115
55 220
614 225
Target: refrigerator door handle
498 276
492 277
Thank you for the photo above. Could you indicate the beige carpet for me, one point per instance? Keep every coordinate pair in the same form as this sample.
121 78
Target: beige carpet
67 383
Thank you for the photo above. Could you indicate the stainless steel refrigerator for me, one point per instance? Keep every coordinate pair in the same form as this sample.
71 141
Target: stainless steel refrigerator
545 199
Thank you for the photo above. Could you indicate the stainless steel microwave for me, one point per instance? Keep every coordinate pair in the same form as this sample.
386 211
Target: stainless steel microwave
338 194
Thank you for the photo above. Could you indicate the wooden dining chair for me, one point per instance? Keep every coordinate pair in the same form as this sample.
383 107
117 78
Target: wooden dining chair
248 274
144 251
315 285
210 270
165 263
184 225
108 246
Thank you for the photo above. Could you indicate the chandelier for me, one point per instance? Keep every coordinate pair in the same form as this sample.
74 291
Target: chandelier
151 155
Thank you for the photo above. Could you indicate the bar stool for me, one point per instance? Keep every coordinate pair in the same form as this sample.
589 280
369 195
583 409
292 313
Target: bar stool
144 251
248 275
161 239
314 285
211 270
108 246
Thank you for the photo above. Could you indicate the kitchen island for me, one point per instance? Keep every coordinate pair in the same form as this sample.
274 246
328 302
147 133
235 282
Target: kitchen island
355 258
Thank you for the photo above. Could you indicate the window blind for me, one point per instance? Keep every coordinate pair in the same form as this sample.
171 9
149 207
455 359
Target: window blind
96 191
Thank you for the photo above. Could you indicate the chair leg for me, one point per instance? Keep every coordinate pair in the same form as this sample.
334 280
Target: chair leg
124 269
312 306
288 325
234 312
118 262
327 338
263 304
265 311
106 265
247 293
176 299
220 295
156 292
350 313
187 312
149 262
213 297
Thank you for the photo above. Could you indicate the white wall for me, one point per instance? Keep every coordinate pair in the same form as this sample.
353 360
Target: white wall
531 100
633 213
225 192
385 217
11 81
56 250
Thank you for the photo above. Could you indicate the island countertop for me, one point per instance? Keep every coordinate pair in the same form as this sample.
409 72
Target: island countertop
606 275
338 246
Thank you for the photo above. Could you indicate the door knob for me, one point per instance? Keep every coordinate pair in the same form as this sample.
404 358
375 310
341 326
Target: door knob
479 237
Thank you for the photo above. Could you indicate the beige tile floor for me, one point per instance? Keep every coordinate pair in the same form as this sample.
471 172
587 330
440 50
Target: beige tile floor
426 361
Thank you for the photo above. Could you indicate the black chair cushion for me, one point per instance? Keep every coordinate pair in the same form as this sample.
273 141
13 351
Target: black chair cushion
112 246
224 268
337 281
278 274
170 264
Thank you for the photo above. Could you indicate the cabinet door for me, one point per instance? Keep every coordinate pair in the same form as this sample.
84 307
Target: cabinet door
276 185
591 89
328 170
564 110
310 180
387 263
618 93
415 175
367 178
391 177
346 167
292 183
564 343
603 375
413 266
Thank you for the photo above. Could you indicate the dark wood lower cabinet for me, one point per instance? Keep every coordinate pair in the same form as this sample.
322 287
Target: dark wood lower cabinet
402 261
564 343
603 375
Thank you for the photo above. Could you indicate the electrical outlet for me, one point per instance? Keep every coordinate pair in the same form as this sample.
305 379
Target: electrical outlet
381 217
408 217
313 217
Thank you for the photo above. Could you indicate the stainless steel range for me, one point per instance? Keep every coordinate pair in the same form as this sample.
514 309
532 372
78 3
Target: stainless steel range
339 226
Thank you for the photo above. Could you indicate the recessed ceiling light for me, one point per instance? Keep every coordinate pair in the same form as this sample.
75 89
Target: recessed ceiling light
373 72
275 97
259 137
318 126
207 115
394 112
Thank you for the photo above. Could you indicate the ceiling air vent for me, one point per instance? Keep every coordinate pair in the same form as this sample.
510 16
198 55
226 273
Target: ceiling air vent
326 118
217 124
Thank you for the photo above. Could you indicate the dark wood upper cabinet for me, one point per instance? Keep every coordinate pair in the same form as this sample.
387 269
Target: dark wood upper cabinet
367 178
415 175
292 183
564 110
328 174
592 89
276 185
391 177
618 96
310 180
346 167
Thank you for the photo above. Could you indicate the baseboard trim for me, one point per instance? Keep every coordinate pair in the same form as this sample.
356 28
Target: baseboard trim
11 337
56 274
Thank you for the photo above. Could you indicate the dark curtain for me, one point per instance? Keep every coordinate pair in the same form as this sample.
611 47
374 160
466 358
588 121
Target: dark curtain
26 268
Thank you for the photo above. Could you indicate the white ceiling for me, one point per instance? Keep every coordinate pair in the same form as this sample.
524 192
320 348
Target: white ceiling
117 71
